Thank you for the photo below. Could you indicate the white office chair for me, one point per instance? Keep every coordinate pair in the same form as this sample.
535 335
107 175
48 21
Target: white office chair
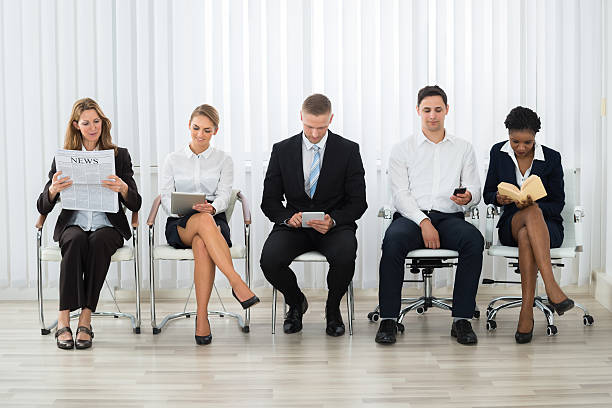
166 252
424 261
572 244
52 253
315 256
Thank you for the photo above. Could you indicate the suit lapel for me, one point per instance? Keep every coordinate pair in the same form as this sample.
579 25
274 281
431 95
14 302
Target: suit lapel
298 160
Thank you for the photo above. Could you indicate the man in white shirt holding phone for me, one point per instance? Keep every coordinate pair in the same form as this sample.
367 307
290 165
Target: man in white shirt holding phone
425 171
320 175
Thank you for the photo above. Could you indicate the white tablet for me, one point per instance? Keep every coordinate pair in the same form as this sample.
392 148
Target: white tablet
182 203
310 216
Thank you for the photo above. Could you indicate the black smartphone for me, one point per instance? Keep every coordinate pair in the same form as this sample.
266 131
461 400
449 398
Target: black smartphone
459 190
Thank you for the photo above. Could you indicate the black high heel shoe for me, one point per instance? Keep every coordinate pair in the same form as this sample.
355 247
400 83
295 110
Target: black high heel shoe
562 306
247 303
64 344
203 340
522 338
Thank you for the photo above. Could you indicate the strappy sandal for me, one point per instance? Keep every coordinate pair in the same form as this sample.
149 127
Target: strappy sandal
64 344
84 344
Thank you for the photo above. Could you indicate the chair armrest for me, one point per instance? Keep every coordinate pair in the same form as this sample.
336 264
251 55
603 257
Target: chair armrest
492 211
246 210
153 212
578 227
135 219
40 222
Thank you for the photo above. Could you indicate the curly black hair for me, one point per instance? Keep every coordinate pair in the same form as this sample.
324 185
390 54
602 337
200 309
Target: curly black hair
521 118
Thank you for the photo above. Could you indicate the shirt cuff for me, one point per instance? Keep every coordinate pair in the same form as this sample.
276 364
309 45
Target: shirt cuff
418 217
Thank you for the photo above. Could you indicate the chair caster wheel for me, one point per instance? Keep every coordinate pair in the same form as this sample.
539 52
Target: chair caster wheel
136 330
587 320
420 310
476 314
156 330
551 330
373 316
400 328
221 315
187 316
116 317
45 331
246 329
491 325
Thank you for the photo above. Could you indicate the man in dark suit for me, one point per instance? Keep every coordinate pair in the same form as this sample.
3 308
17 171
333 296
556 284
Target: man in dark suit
315 170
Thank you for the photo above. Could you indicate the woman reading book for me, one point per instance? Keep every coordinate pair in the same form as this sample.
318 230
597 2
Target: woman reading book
533 227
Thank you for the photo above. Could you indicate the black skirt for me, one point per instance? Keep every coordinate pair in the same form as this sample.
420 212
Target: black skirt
172 235
555 231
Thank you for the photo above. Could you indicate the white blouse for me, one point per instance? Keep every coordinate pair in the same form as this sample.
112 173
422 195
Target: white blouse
538 155
210 172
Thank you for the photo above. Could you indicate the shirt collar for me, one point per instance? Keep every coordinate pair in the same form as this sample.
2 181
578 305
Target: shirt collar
320 145
538 154
422 138
205 154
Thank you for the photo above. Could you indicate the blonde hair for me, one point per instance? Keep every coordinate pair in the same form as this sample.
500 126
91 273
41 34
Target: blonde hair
317 104
74 139
209 111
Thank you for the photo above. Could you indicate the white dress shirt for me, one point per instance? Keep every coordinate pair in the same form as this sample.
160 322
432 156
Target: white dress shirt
210 172
538 155
308 153
89 220
423 175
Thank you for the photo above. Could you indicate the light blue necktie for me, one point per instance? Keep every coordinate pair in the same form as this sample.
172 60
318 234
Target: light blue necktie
315 168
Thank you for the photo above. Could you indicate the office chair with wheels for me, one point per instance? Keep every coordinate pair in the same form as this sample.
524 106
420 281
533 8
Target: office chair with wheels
572 244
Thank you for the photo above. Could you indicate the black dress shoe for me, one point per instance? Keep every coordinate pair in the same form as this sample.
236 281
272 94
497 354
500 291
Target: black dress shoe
202 340
293 319
387 331
462 330
247 303
64 344
335 325
84 344
522 338
562 306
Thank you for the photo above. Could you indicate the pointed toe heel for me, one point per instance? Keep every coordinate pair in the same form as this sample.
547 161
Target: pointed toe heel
247 303
522 338
203 340
562 306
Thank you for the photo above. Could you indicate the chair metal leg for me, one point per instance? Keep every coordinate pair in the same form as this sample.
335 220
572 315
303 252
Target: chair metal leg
274 294
349 307
156 329
352 300
137 278
247 273
39 282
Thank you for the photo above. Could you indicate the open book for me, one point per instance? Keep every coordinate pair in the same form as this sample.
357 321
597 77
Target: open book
532 186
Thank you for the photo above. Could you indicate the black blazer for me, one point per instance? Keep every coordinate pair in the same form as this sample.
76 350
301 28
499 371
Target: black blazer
502 168
123 169
340 189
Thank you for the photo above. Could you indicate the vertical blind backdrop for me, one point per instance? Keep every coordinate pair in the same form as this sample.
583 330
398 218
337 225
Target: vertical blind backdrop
149 64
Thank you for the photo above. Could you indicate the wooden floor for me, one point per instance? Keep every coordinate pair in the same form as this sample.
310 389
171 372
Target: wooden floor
426 368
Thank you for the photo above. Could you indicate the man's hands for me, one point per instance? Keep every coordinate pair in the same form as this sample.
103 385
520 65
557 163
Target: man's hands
462 199
430 234
321 226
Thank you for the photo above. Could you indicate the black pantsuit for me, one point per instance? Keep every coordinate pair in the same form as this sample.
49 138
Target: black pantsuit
284 244
340 192
403 236
86 256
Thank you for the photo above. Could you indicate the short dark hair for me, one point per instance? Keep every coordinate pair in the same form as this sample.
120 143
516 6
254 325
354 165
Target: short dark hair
317 104
431 90
521 118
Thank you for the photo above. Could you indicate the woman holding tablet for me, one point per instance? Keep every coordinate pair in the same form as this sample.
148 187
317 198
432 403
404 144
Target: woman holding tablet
87 239
201 168
532 227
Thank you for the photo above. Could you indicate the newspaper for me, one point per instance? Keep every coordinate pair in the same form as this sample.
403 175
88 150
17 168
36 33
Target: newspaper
87 170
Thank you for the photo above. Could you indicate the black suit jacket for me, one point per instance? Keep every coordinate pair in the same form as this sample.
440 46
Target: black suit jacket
123 169
502 168
340 189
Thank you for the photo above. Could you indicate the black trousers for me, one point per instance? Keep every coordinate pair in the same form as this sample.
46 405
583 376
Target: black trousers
86 256
403 236
284 244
